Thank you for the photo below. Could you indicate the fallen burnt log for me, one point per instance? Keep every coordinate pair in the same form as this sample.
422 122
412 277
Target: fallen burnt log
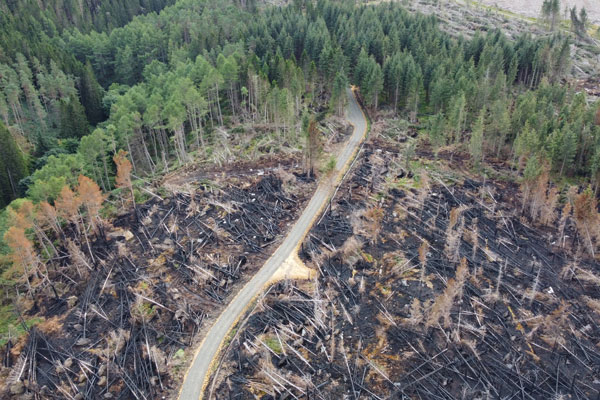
120 328
521 324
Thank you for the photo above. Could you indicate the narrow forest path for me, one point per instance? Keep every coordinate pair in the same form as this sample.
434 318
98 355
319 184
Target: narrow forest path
198 373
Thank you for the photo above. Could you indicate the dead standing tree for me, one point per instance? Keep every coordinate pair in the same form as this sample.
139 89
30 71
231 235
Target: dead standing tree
26 218
123 178
313 147
23 256
47 218
68 204
91 199
587 219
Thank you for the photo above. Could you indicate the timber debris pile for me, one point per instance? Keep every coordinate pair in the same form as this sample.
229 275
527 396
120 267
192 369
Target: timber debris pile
119 308
434 286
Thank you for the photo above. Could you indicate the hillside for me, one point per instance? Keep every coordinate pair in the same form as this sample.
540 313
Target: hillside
119 315
155 154
532 8
432 283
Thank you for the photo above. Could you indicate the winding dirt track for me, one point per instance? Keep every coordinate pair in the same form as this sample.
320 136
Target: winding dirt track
197 375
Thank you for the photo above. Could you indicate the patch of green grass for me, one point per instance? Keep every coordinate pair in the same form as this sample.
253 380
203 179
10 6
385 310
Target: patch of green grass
379 197
406 183
108 211
140 196
229 337
274 344
368 258
11 327
162 191
239 129
330 165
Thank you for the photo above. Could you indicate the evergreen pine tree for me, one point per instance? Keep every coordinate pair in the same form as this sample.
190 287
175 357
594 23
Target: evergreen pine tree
91 96
551 12
73 123
13 167
476 141
338 94
436 130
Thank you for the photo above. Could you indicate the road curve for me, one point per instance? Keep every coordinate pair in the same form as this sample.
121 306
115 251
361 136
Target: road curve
196 377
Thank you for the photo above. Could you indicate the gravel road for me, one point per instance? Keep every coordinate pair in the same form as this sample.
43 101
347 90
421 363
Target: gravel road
196 377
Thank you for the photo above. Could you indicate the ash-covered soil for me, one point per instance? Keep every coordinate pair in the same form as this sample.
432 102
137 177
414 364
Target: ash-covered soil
433 286
122 325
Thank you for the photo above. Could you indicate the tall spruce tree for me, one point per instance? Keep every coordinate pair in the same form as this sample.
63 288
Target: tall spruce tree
91 96
551 12
476 141
73 123
13 167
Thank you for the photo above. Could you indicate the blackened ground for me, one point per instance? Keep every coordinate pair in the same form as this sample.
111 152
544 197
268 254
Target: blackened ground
523 326
121 329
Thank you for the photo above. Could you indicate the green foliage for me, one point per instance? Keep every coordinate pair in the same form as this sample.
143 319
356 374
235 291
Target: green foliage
551 12
476 140
437 123
73 123
527 142
562 146
579 22
10 325
91 96
499 124
338 92
4 225
595 166
13 167
58 171
96 150
458 117
188 71
369 77
533 169
409 154
330 165
273 343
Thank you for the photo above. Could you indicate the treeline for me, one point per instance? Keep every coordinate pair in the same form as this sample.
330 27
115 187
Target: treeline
86 15
48 99
173 76
496 97
185 90
399 60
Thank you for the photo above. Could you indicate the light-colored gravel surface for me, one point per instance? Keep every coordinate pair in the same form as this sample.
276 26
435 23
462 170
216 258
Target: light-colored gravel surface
531 8
195 379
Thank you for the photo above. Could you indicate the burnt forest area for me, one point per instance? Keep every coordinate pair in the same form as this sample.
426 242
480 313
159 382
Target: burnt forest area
434 286
158 273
